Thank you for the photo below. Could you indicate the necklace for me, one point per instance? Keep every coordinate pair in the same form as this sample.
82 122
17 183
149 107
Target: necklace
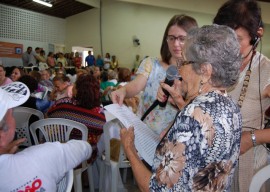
245 83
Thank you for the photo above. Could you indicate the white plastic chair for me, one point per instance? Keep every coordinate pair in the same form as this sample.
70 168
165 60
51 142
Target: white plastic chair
58 129
65 185
22 116
108 163
259 179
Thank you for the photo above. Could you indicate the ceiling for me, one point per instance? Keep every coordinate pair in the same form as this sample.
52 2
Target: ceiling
60 8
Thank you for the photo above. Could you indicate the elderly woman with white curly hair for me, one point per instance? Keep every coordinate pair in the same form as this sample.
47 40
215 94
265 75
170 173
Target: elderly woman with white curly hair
199 152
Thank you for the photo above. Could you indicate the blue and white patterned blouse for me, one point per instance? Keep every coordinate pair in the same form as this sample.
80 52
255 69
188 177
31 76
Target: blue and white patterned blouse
200 151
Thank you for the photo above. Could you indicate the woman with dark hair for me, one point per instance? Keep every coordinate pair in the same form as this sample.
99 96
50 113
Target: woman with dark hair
153 70
83 107
252 92
17 72
51 60
3 79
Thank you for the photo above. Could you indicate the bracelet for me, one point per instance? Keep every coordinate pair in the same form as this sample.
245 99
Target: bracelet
253 138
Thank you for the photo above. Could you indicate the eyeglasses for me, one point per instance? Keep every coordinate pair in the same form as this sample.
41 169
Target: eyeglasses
180 63
172 39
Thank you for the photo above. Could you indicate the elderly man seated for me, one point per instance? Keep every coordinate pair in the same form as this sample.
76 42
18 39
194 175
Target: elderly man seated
37 168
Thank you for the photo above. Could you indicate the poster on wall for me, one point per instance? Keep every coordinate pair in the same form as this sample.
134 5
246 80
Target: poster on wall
11 50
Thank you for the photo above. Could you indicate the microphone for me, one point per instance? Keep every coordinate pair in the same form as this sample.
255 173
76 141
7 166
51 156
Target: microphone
171 75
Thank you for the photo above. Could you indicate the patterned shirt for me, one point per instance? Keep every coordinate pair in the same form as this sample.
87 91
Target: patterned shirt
200 151
94 119
159 118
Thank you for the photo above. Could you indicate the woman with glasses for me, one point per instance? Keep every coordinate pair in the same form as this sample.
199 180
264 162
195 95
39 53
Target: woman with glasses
153 70
201 148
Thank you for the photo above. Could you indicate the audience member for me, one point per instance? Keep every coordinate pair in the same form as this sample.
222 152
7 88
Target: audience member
72 74
99 62
201 149
252 91
42 56
16 73
97 72
124 76
61 59
26 56
39 167
152 71
77 60
3 79
83 107
51 60
105 86
62 87
39 58
114 63
107 61
33 101
69 62
90 59
112 76
45 79
60 69
33 58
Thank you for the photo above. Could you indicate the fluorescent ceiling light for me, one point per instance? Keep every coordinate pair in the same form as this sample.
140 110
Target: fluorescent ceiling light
43 3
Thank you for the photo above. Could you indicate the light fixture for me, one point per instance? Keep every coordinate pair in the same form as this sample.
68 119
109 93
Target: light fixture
43 3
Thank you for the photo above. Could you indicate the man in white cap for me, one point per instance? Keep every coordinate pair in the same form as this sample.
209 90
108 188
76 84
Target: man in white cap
37 168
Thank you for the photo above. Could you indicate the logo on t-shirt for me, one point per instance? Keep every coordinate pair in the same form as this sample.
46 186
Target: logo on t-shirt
35 186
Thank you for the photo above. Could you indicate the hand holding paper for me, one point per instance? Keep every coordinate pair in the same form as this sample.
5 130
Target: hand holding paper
146 140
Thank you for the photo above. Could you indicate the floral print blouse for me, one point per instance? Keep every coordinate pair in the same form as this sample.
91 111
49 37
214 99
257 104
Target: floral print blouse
200 151
159 118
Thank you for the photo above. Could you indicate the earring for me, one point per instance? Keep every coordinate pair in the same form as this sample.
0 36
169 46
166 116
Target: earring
200 87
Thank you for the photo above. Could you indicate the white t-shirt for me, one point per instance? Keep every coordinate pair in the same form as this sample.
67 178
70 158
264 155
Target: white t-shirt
41 167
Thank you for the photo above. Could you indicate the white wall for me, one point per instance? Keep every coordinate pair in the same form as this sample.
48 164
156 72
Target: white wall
121 21
30 29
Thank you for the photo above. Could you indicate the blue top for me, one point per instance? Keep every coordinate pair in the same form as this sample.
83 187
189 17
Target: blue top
90 60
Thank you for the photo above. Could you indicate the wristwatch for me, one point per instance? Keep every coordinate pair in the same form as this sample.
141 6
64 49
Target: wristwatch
253 138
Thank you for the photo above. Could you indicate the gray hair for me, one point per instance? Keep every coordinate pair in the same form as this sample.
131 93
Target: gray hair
216 45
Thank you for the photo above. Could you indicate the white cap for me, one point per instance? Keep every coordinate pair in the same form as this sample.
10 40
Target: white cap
12 95
43 66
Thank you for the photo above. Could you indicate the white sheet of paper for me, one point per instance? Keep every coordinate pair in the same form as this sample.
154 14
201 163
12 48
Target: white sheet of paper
146 140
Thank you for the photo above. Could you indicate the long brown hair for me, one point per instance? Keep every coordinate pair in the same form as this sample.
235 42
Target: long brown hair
183 21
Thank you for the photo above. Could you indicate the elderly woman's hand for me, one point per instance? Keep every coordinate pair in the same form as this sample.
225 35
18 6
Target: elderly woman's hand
127 140
175 97
246 142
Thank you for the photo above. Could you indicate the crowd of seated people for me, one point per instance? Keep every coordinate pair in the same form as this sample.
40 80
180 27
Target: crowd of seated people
74 95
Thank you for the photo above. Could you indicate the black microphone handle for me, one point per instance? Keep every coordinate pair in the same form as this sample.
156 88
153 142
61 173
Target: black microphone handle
170 83
156 102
